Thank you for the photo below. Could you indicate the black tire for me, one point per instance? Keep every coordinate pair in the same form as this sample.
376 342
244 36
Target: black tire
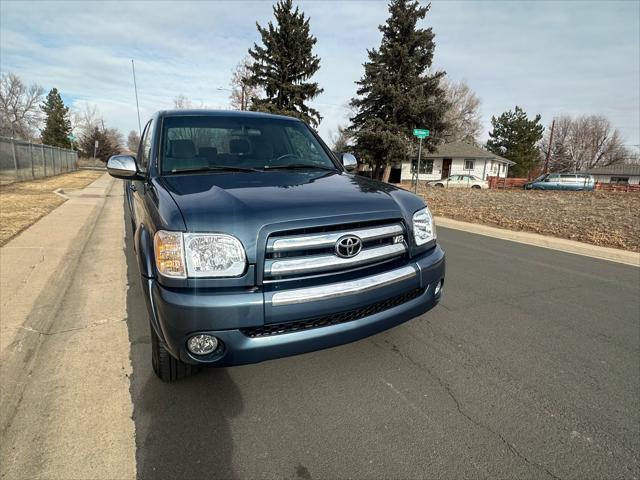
439 185
167 368
477 187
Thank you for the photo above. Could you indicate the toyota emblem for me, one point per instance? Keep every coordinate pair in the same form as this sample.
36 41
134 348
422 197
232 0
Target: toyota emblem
348 246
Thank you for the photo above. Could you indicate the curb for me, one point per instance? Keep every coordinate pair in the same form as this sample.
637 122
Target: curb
543 241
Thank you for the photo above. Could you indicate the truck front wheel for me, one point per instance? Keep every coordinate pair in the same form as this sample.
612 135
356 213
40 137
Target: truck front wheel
167 368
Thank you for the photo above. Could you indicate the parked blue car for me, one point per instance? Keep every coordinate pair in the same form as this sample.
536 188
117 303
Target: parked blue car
254 241
562 181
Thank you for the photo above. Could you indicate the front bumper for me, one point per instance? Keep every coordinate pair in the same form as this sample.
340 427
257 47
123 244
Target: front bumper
178 314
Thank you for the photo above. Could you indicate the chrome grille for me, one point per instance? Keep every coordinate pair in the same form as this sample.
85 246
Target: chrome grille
331 319
296 255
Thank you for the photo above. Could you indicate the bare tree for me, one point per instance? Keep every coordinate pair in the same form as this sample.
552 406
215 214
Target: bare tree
341 140
88 125
133 140
584 142
115 138
241 92
19 107
463 116
182 102
85 120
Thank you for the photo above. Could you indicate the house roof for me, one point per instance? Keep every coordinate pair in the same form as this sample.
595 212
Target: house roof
465 150
622 169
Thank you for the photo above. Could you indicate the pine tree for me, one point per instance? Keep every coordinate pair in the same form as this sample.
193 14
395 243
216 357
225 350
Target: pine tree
397 93
515 137
57 124
283 65
106 144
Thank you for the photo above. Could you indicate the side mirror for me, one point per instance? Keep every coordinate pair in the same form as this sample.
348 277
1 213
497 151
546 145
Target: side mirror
349 161
123 166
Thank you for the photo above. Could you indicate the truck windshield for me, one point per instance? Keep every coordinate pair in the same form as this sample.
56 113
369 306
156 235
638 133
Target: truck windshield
217 143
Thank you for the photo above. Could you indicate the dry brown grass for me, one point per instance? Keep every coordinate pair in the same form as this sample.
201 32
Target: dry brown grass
608 219
23 203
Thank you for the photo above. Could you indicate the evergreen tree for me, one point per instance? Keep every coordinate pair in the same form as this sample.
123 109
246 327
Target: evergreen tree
106 147
283 65
57 124
515 137
397 93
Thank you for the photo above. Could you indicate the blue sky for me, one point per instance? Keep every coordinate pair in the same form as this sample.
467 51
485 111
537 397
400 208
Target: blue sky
550 57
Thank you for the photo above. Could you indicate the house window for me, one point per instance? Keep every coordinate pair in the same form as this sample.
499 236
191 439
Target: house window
469 164
426 166
620 180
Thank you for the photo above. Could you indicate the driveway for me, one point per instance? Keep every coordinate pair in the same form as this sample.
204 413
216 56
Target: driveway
527 369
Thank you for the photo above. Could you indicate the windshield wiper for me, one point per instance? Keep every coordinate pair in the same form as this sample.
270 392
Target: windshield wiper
298 166
208 168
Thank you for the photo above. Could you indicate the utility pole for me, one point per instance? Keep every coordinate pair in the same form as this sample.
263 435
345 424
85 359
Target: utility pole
546 161
135 87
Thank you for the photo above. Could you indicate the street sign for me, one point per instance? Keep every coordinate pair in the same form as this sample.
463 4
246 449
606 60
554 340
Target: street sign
420 133
71 138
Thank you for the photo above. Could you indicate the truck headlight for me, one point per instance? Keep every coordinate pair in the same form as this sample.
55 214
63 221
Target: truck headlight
214 255
179 255
424 228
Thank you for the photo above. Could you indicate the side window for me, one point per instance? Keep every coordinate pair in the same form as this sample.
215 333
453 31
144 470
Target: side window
144 152
302 147
426 166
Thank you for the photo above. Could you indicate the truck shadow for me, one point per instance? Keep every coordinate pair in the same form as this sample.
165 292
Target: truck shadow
182 429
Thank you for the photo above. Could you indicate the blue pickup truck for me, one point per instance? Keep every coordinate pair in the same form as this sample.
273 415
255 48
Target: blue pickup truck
254 241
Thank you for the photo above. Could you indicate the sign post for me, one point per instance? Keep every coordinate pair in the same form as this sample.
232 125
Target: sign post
421 134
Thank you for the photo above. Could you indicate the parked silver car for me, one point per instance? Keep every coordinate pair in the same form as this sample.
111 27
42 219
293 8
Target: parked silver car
459 181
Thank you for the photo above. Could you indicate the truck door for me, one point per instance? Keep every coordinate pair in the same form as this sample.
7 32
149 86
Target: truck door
137 189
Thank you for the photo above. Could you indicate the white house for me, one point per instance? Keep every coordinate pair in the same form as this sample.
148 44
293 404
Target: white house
457 159
625 174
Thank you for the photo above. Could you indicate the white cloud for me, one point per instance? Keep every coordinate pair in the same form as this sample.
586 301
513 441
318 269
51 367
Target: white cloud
551 58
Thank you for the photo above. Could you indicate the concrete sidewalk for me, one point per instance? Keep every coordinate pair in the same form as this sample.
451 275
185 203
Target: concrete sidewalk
64 346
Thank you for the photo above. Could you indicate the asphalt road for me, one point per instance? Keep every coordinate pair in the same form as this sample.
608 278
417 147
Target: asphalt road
529 368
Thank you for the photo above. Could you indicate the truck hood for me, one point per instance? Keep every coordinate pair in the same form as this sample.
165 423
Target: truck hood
242 204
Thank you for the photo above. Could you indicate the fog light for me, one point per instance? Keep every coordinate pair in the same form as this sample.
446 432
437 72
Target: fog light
438 288
202 344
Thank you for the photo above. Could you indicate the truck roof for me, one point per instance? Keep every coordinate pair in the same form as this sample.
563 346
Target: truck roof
222 113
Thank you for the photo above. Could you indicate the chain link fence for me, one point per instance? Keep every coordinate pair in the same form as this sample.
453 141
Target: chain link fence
20 160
